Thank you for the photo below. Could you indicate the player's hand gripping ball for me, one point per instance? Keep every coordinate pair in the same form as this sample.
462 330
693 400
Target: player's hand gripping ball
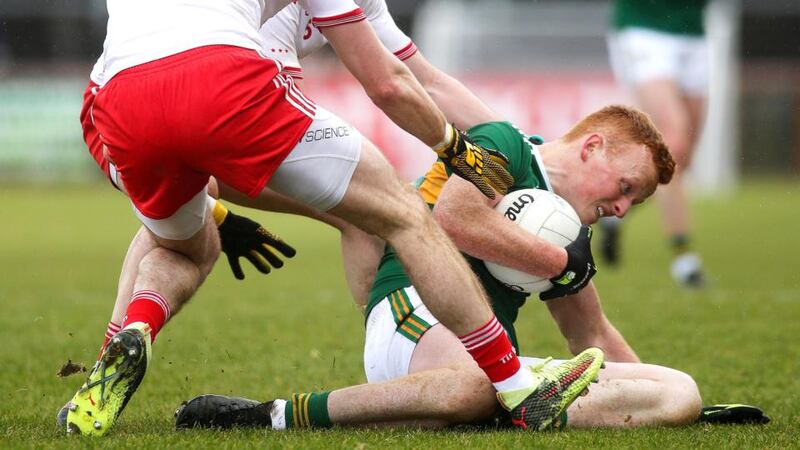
551 218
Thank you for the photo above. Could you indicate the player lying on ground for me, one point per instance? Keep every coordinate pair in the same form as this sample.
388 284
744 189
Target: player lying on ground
609 161
403 338
246 123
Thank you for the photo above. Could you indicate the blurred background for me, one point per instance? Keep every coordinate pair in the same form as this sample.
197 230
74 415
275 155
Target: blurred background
541 63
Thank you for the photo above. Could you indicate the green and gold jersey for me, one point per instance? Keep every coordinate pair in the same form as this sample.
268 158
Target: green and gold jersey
525 165
670 16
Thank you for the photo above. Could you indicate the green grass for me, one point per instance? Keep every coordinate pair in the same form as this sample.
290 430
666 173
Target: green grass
296 329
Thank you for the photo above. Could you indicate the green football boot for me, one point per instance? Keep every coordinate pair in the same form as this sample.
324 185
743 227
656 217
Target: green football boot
540 407
97 404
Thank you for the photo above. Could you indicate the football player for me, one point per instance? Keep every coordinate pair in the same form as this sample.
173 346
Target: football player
609 161
183 93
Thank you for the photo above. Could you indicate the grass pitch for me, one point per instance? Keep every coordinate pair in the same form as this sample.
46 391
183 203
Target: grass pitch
296 329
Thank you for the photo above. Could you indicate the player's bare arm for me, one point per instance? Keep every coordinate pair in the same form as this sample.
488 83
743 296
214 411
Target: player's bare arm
467 218
461 107
387 81
583 324
393 88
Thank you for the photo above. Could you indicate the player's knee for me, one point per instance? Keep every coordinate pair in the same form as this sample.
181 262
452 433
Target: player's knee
692 402
210 253
202 249
682 401
409 214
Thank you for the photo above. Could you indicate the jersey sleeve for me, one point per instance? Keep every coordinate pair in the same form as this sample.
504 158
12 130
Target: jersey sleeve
389 34
279 37
330 13
508 140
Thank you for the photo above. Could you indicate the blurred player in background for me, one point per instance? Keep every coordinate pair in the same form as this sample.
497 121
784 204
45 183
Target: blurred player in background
658 50
166 63
609 161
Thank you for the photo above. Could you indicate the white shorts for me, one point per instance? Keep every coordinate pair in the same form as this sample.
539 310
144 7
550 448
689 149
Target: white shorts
639 55
394 327
184 223
316 172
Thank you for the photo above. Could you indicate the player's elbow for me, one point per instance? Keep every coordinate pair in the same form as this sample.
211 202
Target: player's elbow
385 94
388 91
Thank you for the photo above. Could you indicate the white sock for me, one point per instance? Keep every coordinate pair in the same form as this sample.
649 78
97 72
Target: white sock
278 414
523 378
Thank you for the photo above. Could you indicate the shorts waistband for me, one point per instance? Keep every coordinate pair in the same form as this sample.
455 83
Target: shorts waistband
183 58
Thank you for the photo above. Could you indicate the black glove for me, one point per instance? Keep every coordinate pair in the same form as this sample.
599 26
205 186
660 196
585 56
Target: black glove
733 414
580 267
485 168
241 236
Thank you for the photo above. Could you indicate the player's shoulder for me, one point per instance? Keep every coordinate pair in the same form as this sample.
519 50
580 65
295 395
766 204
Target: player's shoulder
501 132
286 19
500 126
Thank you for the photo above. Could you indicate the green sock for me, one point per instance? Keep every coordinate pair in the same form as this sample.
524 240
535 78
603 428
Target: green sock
308 410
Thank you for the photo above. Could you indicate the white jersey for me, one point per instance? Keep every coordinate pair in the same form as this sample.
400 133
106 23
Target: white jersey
291 35
145 30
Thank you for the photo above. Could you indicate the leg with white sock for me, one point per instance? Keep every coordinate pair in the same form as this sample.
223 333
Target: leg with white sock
379 203
446 387
358 185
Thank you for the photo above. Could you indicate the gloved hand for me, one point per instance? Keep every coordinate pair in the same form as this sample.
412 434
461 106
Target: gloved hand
580 267
485 168
733 414
241 236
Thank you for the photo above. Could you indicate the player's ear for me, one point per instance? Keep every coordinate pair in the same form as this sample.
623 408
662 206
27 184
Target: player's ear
591 144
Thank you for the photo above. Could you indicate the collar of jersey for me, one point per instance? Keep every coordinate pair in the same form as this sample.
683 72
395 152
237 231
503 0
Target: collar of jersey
542 174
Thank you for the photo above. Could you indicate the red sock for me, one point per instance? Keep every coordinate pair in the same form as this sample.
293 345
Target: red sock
148 307
491 349
111 330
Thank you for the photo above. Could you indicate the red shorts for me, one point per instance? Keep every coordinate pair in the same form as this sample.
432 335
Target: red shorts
217 110
90 134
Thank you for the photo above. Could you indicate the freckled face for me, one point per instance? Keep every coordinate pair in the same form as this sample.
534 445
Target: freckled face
610 182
